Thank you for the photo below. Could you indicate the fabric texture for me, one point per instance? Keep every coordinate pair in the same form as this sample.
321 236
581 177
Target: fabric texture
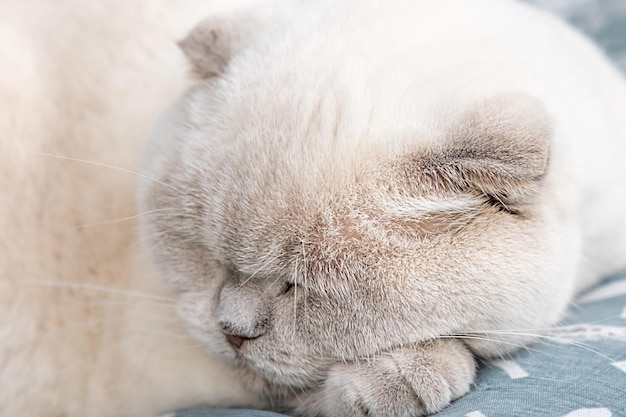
579 369
602 20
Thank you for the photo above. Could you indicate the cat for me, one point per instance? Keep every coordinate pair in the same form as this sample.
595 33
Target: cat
370 193
345 205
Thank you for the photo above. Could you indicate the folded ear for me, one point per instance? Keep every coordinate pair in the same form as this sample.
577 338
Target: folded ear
211 43
499 148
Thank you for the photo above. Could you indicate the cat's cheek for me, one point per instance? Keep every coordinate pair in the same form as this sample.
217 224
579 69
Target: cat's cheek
284 356
282 362
197 310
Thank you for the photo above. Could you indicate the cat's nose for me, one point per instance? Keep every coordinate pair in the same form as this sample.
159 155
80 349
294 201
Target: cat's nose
236 339
236 342
242 313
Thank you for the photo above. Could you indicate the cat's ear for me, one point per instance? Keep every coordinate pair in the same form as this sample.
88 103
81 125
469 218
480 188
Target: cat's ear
211 43
499 147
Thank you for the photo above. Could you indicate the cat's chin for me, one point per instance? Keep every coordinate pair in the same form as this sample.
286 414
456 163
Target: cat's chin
278 386
264 375
268 376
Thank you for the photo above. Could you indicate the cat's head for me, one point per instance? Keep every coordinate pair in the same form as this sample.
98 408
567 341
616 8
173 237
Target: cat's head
309 209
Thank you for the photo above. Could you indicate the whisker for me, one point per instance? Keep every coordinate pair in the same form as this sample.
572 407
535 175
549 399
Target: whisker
580 345
546 329
102 164
128 218
143 239
120 346
108 301
305 275
146 322
556 338
487 339
270 286
295 394
265 264
89 287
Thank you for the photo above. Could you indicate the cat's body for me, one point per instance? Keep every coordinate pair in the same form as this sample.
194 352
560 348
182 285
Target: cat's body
83 330
417 169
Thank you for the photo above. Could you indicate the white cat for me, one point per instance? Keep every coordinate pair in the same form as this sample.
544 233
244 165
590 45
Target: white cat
348 201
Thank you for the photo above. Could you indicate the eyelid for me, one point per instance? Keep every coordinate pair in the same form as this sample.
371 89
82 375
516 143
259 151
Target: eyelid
288 287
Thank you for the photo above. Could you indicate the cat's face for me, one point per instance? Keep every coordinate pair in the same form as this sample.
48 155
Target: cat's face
301 227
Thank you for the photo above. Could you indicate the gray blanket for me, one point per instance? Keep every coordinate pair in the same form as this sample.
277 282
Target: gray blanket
602 20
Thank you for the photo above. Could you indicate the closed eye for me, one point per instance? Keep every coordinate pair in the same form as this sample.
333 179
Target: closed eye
498 202
287 288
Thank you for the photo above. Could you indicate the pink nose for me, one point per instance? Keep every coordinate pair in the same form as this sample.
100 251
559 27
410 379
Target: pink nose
236 341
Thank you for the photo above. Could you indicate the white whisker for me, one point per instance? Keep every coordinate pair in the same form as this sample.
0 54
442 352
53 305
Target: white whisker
553 338
487 339
295 394
128 218
259 269
147 239
305 275
109 301
88 287
102 164
270 286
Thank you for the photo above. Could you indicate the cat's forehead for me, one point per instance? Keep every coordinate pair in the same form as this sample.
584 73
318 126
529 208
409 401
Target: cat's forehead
310 188
300 144
316 103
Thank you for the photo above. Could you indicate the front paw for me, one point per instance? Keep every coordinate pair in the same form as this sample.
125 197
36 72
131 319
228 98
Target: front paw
406 382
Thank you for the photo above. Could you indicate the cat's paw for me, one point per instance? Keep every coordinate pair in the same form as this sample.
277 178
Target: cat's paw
406 382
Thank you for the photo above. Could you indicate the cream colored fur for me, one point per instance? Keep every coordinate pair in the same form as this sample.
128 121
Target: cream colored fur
419 170
85 329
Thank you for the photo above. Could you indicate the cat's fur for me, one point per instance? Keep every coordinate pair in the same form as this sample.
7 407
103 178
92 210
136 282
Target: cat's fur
349 186
85 328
